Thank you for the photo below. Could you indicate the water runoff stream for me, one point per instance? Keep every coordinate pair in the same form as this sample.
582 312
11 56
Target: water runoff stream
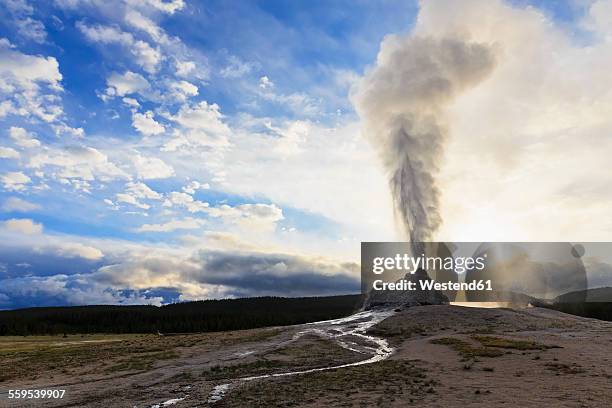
348 332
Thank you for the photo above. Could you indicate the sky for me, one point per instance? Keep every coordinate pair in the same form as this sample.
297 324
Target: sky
158 151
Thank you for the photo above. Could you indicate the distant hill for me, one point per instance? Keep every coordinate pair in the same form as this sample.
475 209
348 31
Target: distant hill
589 295
594 303
187 317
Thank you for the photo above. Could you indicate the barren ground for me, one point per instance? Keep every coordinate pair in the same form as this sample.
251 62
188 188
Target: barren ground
444 356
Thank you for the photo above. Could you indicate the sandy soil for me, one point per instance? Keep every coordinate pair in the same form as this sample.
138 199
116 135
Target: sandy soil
444 356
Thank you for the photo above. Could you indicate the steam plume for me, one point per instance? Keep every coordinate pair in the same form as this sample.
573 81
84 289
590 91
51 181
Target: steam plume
401 102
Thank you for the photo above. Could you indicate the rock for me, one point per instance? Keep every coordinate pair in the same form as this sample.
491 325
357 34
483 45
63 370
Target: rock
407 298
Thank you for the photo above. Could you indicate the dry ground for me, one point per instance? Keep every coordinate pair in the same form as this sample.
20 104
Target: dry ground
445 356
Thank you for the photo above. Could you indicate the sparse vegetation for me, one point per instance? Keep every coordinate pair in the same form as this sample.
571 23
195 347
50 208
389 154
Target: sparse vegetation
490 346
491 341
24 357
561 368
467 350
143 362
308 353
379 384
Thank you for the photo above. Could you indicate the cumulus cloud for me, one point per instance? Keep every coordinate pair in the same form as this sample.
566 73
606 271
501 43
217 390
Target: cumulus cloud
151 168
208 273
62 290
257 274
126 84
201 125
182 90
257 216
141 22
194 185
16 204
184 68
173 225
15 181
135 192
317 162
146 124
23 138
77 162
125 268
78 250
146 56
23 226
8 153
29 84
27 26
186 201
169 7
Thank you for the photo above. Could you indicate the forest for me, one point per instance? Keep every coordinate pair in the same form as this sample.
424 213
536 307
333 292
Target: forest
594 310
186 317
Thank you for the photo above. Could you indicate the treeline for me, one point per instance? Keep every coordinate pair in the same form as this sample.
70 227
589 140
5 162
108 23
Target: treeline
594 310
187 317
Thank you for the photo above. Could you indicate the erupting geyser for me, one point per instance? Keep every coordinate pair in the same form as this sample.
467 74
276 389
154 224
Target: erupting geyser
401 101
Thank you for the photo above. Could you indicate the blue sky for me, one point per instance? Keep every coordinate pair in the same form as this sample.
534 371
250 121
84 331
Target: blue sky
142 140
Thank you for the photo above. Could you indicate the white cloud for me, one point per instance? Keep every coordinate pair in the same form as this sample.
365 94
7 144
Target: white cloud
257 216
292 137
326 163
146 56
77 162
151 168
126 84
33 29
186 201
146 124
182 90
22 138
193 186
135 192
63 129
27 26
129 199
23 226
143 23
184 68
78 250
15 181
201 125
300 103
170 6
185 223
236 68
29 84
6 107
265 82
15 204
131 102
8 153
27 70
80 162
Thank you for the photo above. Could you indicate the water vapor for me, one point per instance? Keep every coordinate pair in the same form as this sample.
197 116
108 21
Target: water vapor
401 102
